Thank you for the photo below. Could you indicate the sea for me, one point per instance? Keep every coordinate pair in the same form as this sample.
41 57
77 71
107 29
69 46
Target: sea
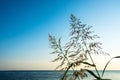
49 75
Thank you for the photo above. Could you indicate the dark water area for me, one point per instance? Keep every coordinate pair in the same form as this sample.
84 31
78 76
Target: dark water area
48 75
29 75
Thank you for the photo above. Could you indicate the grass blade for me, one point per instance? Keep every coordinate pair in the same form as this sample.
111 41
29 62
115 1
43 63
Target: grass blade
107 64
66 72
88 64
92 73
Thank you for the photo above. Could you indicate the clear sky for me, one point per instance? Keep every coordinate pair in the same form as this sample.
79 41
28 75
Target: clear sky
25 25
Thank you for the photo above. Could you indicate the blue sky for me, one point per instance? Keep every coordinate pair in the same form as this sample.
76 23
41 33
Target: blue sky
25 25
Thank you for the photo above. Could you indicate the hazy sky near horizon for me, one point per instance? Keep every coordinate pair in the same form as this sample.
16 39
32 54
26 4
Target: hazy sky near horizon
25 25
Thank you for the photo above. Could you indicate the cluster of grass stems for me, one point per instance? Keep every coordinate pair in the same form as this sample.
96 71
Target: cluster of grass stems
78 51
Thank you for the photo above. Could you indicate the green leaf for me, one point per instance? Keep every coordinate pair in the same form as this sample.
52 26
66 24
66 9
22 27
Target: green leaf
88 64
92 73
117 57
63 77
108 63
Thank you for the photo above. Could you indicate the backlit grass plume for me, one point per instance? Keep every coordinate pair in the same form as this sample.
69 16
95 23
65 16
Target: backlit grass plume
78 51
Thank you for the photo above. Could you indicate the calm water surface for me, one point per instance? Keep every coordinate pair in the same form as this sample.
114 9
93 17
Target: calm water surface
47 75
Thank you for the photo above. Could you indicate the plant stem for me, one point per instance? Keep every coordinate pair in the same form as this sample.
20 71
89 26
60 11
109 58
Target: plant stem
94 64
66 72
68 63
91 58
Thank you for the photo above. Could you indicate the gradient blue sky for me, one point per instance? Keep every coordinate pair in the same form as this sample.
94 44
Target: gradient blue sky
25 25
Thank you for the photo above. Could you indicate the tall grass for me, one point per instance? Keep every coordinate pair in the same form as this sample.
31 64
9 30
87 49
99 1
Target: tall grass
78 51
